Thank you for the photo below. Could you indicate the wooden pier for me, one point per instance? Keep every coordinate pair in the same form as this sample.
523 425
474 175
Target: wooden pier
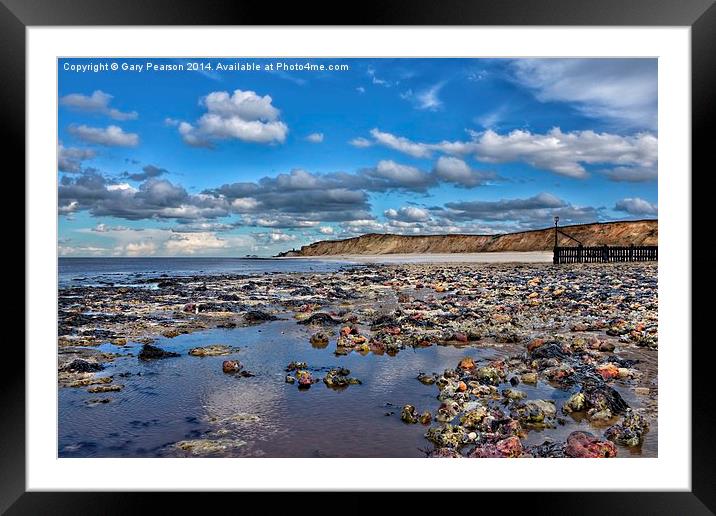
605 254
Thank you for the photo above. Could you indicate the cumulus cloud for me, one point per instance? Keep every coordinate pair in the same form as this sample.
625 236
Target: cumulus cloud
97 102
556 151
153 199
69 159
273 237
455 170
241 115
636 206
404 145
531 212
633 174
315 137
620 90
147 172
110 136
408 214
326 230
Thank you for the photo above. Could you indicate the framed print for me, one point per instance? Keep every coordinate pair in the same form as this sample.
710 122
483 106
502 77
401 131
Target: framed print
262 247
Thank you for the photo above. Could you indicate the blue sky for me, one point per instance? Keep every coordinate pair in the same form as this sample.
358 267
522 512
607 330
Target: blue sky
189 159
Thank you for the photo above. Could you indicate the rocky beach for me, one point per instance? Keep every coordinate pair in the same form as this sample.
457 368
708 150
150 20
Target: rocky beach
451 359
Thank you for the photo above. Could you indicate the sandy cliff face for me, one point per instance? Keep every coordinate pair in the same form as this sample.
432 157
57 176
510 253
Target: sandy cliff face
642 232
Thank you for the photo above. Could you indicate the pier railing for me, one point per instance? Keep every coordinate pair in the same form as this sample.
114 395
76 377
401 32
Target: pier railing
604 254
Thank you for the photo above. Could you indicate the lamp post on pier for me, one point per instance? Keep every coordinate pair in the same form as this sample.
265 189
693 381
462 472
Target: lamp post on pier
556 221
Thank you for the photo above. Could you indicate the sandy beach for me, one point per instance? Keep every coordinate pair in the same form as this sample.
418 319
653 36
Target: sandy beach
497 257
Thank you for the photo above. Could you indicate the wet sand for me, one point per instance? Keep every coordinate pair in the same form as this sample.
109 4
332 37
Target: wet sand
503 353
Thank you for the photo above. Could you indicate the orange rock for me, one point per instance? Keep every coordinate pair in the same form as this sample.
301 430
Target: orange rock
461 387
466 363
535 344
608 370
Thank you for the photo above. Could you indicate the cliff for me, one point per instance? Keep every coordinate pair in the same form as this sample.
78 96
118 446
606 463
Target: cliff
640 232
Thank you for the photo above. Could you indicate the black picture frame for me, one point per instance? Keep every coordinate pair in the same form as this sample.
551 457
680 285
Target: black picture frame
700 15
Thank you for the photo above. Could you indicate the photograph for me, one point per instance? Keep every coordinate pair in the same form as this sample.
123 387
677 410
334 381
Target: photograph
357 257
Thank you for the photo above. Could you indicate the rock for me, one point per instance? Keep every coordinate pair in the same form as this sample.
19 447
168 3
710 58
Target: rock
513 394
338 378
305 379
586 445
210 351
150 352
505 448
290 379
105 388
319 340
409 414
320 319
514 381
576 403
448 436
208 446
426 379
466 364
444 453
530 378
489 375
82 366
295 366
426 417
631 431
257 317
642 391
231 366
97 401
460 337
608 370
606 346
474 418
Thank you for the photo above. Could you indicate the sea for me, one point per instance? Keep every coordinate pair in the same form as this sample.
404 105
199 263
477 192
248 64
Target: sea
74 272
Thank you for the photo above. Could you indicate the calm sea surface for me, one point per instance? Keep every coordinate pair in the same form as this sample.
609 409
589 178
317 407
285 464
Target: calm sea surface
131 271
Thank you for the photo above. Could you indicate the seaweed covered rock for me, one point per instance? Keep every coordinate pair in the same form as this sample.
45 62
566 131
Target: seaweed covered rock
210 351
320 319
82 366
409 414
450 436
631 431
338 378
150 352
319 340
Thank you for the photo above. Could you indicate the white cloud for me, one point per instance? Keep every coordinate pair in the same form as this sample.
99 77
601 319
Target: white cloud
408 214
315 137
325 230
564 153
98 102
417 150
110 136
636 206
455 170
360 142
555 151
620 90
426 99
243 115
138 249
